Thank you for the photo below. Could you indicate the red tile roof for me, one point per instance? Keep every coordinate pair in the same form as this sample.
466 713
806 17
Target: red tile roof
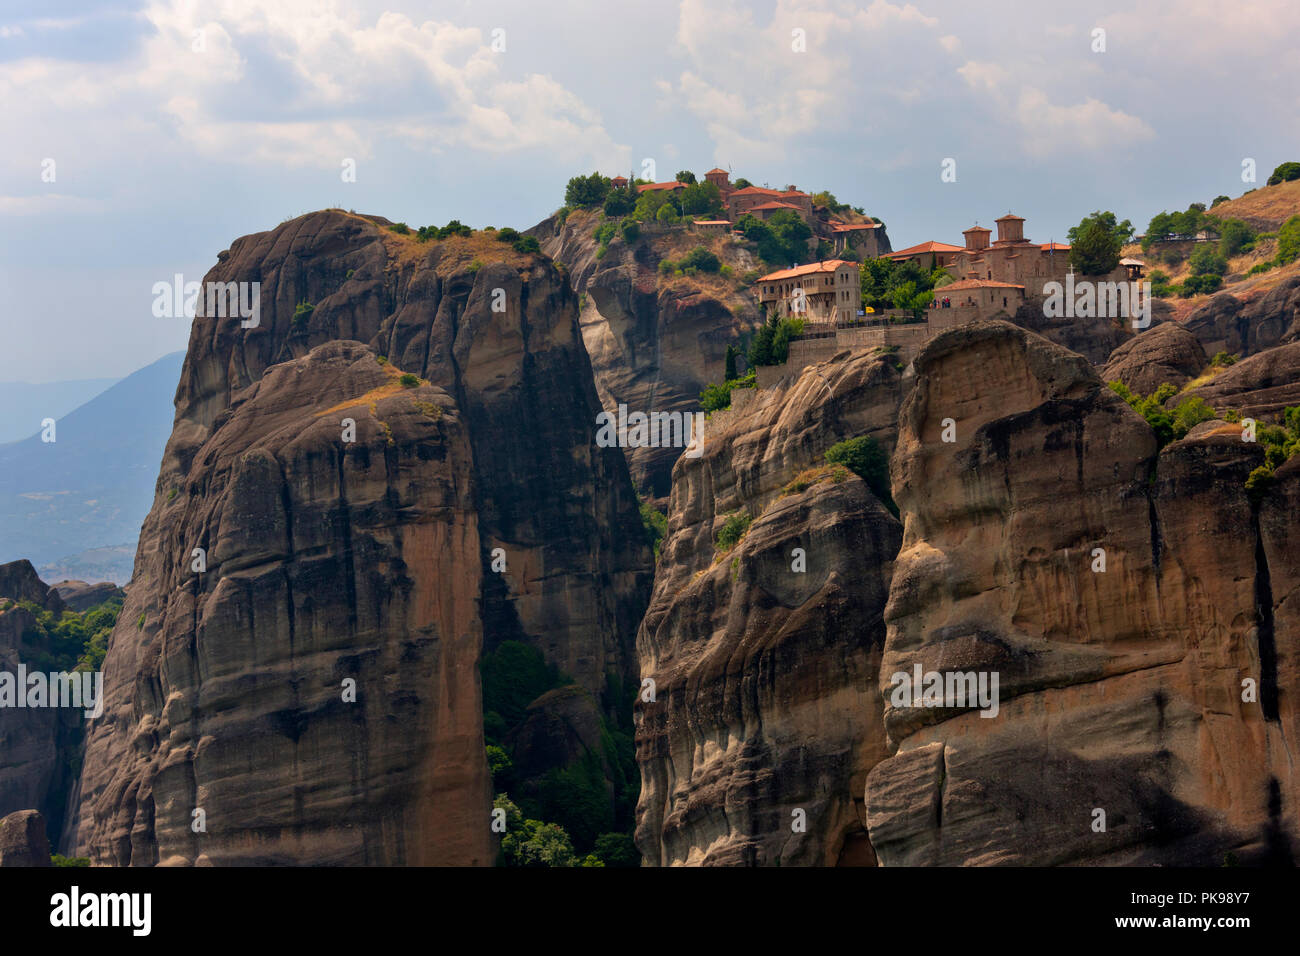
713 222
716 170
813 268
775 205
1011 217
849 227
1054 246
975 284
924 247
756 191
646 187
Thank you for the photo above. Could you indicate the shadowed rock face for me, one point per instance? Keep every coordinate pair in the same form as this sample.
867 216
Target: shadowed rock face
80 596
764 676
22 840
34 742
1165 353
1261 385
1094 338
1119 690
20 582
1227 324
654 344
369 561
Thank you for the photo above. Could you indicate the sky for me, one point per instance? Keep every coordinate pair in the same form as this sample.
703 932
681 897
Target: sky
141 137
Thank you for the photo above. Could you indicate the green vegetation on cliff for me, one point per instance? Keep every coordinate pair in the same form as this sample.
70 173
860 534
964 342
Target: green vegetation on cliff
70 641
562 815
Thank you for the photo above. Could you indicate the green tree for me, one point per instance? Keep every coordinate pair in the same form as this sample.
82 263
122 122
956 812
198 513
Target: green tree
1284 173
701 199
586 191
700 259
1206 259
655 523
1234 236
617 850
729 364
1096 241
865 458
718 396
1288 241
621 202
514 675
1108 220
685 176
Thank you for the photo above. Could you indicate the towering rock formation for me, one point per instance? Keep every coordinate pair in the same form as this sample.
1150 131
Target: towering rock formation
766 718
655 341
311 695
35 742
1121 691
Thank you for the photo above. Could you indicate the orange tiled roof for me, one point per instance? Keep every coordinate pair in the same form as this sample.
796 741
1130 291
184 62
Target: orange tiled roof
756 191
1054 246
715 169
930 246
975 284
775 205
1011 217
849 227
646 187
713 222
813 268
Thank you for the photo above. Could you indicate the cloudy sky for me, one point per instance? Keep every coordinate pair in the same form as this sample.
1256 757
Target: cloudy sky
175 126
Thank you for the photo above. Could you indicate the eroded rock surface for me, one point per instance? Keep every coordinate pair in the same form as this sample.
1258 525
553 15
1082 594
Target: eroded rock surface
766 714
655 342
1164 353
23 841
329 561
1244 327
1120 691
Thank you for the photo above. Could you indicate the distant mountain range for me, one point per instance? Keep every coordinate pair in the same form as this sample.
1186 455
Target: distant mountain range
90 489
23 405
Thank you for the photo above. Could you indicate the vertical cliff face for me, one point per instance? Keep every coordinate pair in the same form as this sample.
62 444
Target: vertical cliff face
1121 690
766 717
314 691
35 741
655 341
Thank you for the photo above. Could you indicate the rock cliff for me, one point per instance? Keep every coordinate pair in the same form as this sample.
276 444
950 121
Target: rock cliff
766 718
313 690
1164 353
1122 734
655 341
1246 325
35 742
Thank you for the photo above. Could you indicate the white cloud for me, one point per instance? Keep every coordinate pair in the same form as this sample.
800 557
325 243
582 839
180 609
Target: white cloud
303 83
